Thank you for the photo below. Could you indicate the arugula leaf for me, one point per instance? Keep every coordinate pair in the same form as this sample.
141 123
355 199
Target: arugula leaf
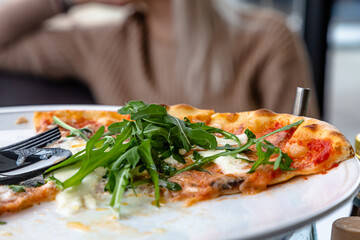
197 156
178 136
73 131
57 182
17 188
151 130
263 156
161 122
111 181
177 156
169 185
283 162
118 127
162 166
122 180
131 156
161 146
98 157
76 158
201 138
287 127
151 111
3 222
249 134
132 107
145 153
208 129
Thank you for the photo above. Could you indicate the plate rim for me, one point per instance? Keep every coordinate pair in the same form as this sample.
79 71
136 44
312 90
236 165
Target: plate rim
50 107
288 228
305 220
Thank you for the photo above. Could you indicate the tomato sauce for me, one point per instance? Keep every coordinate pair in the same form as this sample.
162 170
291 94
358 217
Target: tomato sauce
278 139
319 150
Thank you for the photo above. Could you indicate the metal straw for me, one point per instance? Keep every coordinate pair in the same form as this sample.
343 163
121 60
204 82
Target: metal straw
300 109
301 101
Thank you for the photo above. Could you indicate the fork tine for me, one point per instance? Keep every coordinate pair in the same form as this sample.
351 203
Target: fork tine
39 140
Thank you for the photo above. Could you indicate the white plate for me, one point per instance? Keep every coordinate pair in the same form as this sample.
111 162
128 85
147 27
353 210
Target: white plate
276 211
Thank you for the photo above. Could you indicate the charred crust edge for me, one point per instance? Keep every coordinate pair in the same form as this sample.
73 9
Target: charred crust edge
264 113
312 127
232 117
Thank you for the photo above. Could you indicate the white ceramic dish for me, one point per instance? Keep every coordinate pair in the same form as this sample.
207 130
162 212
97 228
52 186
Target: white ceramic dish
276 211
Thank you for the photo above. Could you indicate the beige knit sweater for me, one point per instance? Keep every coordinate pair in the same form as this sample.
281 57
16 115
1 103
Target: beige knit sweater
270 61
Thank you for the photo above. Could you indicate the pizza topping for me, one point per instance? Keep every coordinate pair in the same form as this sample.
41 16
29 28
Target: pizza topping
84 195
17 188
173 162
320 147
21 120
73 131
283 161
6 194
153 136
223 141
229 164
74 144
232 165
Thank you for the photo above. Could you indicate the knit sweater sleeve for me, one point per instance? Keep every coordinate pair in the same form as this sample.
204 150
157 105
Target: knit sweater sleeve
26 47
284 68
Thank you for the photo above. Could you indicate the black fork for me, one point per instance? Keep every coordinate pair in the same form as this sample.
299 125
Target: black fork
38 141
27 159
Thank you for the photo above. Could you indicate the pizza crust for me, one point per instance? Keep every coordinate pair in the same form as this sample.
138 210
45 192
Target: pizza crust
17 201
76 118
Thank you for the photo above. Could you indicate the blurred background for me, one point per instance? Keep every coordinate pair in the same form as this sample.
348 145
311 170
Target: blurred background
330 29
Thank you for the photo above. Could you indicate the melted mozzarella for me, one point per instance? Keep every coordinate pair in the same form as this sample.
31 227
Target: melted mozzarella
74 144
82 196
79 197
229 164
6 194
223 141
170 160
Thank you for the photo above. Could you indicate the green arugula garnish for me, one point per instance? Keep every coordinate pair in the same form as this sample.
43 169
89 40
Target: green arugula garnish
145 142
3 223
17 188
57 182
283 162
73 131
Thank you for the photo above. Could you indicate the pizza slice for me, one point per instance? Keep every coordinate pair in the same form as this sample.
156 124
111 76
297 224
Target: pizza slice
188 154
313 146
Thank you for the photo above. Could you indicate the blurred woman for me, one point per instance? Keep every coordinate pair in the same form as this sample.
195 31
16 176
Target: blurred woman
208 53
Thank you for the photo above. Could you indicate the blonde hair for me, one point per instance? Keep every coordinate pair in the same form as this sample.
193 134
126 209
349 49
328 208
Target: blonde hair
204 31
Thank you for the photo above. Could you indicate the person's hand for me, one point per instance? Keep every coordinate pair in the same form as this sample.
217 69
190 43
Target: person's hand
111 2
